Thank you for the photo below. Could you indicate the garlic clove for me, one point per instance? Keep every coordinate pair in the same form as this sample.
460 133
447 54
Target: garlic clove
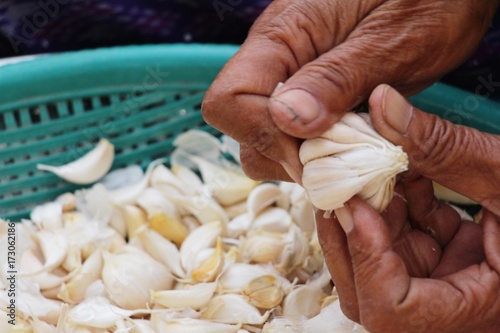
88 168
169 227
135 219
262 246
273 219
210 268
238 275
48 216
153 201
262 197
303 302
74 290
54 247
162 250
188 325
233 309
201 238
205 209
264 292
164 180
129 277
68 201
196 296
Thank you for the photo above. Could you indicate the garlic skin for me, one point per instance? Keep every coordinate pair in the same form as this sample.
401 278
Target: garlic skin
88 168
350 159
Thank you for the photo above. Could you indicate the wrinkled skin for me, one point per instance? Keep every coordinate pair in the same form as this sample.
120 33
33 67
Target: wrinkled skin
333 53
417 267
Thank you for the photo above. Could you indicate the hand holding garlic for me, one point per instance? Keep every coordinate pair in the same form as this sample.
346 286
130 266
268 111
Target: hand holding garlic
418 266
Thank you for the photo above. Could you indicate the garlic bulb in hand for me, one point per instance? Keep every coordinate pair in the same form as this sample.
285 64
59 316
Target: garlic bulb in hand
351 158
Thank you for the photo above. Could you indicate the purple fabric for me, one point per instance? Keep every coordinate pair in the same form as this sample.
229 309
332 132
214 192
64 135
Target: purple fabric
40 26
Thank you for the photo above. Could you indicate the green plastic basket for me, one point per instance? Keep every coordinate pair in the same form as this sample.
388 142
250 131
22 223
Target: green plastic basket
56 108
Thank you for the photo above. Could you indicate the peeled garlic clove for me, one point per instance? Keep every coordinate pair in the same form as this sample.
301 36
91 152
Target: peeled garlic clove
162 250
261 197
295 251
68 201
100 313
74 290
54 247
201 238
210 268
196 296
262 247
264 292
303 302
88 168
188 325
273 219
164 180
192 184
350 158
169 227
48 216
135 218
130 276
233 309
238 275
205 209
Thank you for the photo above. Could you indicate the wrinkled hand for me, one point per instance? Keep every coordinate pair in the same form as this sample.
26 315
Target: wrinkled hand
331 54
461 158
417 267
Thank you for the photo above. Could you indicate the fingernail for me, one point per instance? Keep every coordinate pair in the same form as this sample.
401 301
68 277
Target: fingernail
344 216
296 104
397 111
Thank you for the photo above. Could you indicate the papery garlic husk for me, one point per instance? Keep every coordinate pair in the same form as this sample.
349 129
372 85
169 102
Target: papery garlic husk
233 309
196 296
295 252
349 159
48 216
130 276
88 168
264 292
331 320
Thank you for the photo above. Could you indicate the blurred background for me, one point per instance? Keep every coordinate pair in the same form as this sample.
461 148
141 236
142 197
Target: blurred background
30 27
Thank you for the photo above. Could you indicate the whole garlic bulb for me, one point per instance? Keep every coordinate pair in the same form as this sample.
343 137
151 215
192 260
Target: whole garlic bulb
351 158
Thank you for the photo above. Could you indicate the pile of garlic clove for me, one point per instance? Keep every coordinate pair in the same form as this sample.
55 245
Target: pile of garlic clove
174 252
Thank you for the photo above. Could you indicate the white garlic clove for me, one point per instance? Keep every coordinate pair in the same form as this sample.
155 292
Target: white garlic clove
135 219
88 168
303 302
233 309
204 208
164 180
201 238
74 290
196 296
273 219
188 325
68 201
350 158
162 250
238 275
54 247
331 320
129 276
262 197
443 193
48 216
263 246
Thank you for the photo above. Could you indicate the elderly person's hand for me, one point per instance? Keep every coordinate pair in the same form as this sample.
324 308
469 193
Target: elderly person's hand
417 267
331 54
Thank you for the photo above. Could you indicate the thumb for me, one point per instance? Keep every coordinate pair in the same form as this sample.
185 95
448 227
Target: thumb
459 157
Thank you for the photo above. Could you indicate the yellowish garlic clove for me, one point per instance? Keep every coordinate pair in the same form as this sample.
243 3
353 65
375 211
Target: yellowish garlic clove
195 296
264 292
135 218
210 268
68 201
201 238
169 227
88 168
